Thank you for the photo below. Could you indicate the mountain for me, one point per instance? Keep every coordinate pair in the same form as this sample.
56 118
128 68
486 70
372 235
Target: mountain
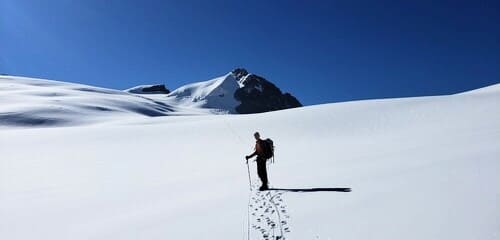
419 168
213 94
235 92
39 102
257 95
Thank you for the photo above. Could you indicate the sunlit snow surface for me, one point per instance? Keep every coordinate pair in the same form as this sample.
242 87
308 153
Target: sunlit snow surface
215 93
419 168
28 102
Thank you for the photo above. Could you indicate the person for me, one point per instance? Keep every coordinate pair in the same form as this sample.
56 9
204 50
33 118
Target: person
261 161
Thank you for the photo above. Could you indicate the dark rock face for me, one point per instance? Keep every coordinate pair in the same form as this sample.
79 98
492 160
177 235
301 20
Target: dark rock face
156 89
259 95
239 73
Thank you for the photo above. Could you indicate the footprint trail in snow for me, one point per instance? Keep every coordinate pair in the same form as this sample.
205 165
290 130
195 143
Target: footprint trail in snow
268 215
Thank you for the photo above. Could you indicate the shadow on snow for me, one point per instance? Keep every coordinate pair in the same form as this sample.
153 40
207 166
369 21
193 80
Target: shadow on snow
312 189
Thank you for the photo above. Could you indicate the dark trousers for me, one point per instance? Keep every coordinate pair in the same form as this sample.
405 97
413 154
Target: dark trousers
261 170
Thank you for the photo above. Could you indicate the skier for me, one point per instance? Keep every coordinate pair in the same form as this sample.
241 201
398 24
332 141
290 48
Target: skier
261 161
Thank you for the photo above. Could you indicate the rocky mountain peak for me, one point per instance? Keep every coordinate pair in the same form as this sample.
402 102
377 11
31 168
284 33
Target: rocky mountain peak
257 94
239 73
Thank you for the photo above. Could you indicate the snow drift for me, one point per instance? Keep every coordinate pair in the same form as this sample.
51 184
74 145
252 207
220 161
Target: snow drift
38 102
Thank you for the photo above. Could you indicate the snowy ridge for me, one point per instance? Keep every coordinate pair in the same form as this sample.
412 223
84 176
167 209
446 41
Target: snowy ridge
493 89
30 102
35 102
216 93
39 102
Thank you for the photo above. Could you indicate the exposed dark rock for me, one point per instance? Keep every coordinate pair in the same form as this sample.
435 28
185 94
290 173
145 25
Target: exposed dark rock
259 95
239 73
156 89
149 89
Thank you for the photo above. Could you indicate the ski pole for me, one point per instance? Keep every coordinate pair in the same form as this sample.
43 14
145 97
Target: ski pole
249 179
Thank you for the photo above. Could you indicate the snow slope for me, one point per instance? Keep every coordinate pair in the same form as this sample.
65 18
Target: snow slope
28 102
215 93
419 168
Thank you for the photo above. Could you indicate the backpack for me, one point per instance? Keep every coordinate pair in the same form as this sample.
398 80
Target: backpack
267 149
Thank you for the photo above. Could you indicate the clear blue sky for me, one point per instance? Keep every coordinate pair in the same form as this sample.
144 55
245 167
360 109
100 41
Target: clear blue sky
320 51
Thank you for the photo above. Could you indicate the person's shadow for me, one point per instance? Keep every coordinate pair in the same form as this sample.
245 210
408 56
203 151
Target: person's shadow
312 189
